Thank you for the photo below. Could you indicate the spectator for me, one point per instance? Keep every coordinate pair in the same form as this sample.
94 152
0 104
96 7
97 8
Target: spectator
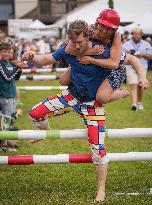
9 73
125 37
143 51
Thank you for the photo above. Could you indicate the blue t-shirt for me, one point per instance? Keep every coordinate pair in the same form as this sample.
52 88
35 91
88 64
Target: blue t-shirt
85 79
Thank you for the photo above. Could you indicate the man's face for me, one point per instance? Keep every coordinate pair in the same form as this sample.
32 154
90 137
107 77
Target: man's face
80 43
136 36
105 31
5 55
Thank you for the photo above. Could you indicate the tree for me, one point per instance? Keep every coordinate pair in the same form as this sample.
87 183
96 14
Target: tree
111 4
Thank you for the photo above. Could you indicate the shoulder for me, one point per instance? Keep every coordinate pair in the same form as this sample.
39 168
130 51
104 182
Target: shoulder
59 53
146 43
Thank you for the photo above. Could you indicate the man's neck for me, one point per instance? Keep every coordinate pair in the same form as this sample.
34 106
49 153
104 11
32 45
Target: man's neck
136 41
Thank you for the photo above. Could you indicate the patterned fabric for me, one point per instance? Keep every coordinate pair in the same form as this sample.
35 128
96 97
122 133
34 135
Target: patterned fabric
117 77
9 72
92 113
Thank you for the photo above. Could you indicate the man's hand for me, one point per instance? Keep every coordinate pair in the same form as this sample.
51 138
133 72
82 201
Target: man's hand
138 54
27 56
84 60
144 83
20 64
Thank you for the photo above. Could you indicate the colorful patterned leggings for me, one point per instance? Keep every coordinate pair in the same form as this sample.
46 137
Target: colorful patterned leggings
92 114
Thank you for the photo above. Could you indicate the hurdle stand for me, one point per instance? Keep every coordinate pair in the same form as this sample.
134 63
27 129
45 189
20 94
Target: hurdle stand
73 134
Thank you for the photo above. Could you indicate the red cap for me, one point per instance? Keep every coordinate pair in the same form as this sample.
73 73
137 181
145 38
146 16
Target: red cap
109 17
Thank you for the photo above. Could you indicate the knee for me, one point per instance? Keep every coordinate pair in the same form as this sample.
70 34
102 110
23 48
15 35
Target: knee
101 98
34 115
99 155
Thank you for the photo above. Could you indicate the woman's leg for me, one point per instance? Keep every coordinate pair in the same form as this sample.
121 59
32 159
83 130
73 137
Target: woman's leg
65 77
106 94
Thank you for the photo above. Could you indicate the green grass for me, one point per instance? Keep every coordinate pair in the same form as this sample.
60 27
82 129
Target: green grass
75 184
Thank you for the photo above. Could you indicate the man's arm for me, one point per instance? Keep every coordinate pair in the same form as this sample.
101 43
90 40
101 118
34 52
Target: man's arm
143 55
40 60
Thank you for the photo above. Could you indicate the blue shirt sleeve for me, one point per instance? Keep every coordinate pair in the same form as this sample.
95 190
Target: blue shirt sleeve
59 53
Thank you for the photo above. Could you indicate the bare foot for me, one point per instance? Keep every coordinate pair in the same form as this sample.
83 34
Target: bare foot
124 92
100 197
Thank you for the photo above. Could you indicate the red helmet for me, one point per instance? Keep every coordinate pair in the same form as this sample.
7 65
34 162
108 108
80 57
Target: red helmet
109 17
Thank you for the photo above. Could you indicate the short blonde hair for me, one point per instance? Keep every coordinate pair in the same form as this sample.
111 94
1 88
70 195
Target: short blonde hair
76 28
136 30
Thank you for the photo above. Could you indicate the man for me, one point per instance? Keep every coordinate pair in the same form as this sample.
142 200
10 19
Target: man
143 51
80 96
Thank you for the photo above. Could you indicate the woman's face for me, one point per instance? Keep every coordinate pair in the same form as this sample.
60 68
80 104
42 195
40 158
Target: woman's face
105 31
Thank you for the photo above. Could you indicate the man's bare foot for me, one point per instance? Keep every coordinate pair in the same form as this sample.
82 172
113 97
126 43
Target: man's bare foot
100 197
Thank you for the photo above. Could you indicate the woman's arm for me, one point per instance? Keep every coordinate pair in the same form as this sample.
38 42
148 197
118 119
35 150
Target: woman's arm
115 53
96 50
112 62
137 66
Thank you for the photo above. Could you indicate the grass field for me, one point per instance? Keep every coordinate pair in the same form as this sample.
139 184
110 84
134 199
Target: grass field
75 184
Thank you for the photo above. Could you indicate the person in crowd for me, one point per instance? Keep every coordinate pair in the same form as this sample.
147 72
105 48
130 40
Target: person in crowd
9 73
149 40
80 96
125 37
143 51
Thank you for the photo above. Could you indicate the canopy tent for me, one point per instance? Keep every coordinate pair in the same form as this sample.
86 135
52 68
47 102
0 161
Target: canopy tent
129 11
143 23
37 29
37 24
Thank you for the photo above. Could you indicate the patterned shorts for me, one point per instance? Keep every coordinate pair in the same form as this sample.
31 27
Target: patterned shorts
117 77
92 114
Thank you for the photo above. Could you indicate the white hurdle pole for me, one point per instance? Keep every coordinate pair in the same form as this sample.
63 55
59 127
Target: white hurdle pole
39 77
129 132
43 70
72 158
72 134
42 87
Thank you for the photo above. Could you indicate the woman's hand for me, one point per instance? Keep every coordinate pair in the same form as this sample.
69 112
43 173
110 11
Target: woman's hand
84 60
144 83
96 50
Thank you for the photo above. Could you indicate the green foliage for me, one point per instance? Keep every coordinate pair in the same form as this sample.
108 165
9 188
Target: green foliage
73 184
111 4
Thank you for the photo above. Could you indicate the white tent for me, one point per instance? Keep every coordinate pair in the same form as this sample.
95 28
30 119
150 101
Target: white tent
37 24
37 29
143 23
129 10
